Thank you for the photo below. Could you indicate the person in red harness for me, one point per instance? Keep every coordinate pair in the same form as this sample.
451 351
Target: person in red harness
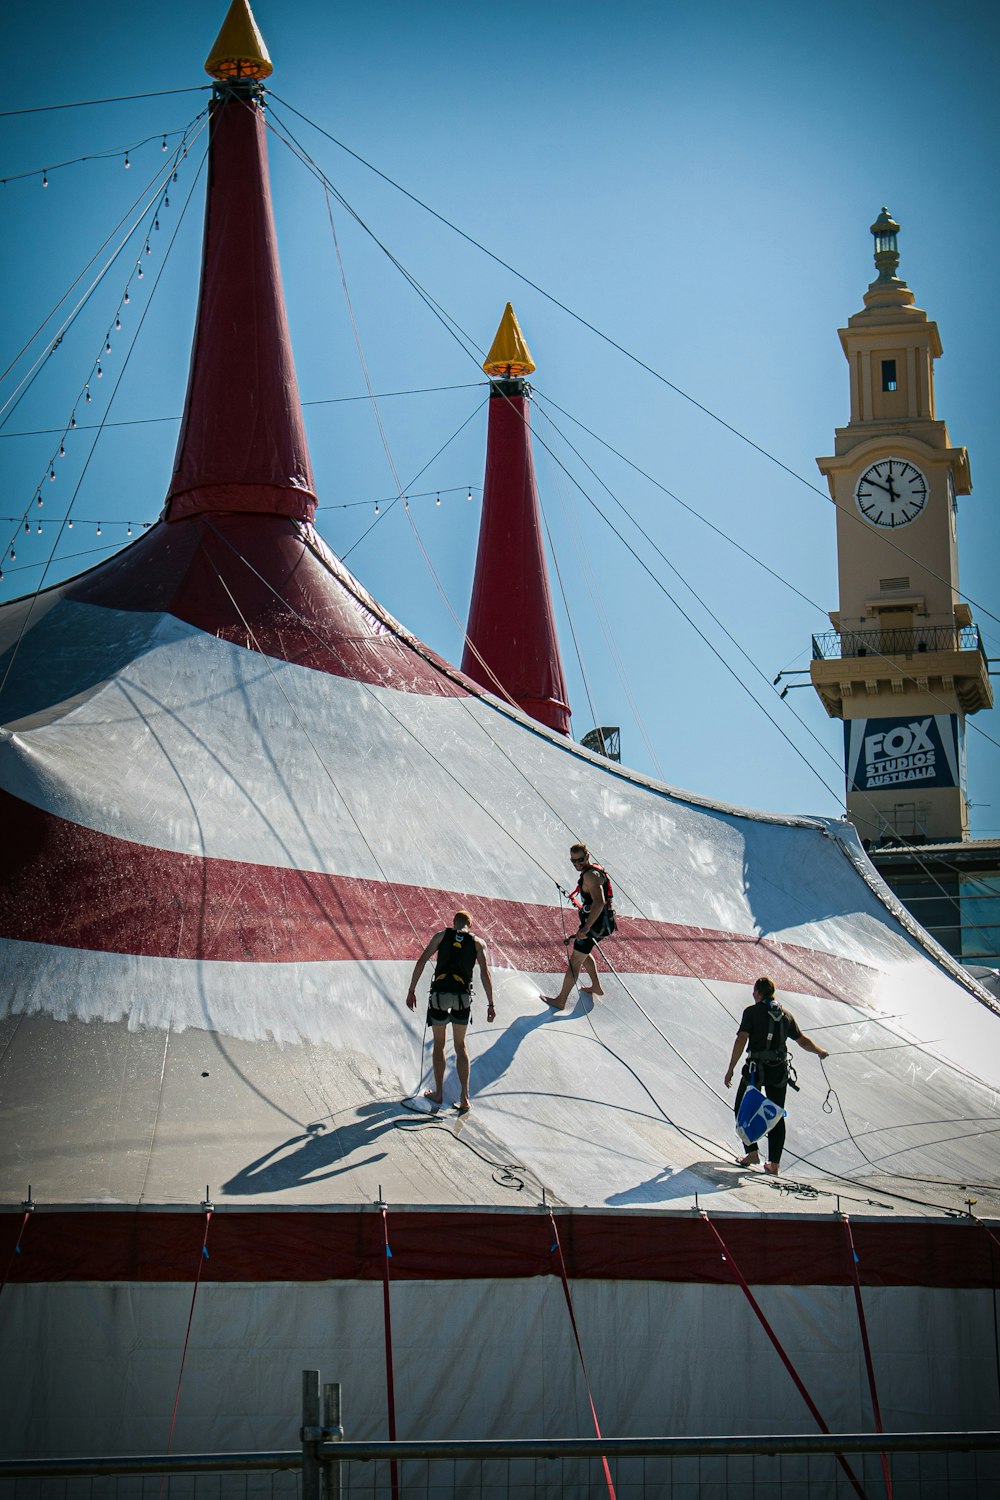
458 952
597 920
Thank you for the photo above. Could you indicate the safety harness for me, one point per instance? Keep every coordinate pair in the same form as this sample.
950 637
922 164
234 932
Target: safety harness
456 961
607 922
774 1053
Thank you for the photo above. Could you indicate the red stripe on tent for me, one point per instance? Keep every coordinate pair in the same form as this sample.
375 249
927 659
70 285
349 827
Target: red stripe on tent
72 887
324 1245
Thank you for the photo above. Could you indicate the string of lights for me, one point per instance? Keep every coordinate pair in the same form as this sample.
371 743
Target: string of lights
74 161
131 528
151 214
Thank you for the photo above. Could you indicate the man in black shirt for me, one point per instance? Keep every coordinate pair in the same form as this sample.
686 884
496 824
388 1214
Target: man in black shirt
458 952
765 1030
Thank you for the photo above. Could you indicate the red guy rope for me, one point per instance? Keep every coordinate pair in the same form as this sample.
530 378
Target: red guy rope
842 1461
869 1364
557 1247
203 1256
390 1389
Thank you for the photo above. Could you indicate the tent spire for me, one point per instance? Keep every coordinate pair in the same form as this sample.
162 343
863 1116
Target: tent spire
512 646
242 444
239 50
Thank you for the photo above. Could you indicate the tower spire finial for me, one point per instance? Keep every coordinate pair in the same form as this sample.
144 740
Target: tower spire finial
239 50
885 229
509 353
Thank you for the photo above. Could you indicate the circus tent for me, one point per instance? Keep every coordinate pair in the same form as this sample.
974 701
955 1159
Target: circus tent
238 795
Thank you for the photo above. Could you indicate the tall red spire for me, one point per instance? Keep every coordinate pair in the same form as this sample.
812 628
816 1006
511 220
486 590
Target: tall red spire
242 444
512 647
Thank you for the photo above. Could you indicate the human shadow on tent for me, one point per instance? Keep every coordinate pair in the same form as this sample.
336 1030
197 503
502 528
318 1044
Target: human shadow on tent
492 1064
701 1178
317 1154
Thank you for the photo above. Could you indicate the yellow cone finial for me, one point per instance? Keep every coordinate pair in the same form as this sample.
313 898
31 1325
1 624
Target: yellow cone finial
239 50
509 355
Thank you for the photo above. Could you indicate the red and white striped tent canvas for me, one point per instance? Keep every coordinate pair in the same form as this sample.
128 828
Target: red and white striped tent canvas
237 798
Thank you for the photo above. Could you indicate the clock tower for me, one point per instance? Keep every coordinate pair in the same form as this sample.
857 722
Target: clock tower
904 664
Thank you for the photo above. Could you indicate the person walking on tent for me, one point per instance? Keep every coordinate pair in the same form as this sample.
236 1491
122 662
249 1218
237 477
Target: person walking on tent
597 920
765 1029
458 952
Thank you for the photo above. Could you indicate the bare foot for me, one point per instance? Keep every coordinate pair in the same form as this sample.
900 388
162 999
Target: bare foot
462 1106
752 1159
596 991
434 1098
551 1000
771 1168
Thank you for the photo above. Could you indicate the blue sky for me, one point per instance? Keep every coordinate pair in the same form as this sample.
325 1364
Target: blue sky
696 182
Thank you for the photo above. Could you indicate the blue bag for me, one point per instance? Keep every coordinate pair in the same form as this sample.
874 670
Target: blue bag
757 1116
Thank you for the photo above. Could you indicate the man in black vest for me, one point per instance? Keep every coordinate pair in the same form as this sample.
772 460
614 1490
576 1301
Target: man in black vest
458 952
765 1029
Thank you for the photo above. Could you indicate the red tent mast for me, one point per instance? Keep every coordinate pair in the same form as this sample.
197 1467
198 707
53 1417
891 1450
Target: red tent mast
512 647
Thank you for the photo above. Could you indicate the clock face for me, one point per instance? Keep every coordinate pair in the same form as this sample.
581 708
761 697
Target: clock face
892 492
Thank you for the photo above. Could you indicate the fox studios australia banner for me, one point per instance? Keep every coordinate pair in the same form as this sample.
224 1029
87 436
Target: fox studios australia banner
904 753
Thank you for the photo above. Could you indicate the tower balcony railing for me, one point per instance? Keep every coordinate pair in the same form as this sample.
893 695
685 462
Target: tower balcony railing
835 645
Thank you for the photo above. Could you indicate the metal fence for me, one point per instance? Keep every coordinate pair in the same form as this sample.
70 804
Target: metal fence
834 645
920 1466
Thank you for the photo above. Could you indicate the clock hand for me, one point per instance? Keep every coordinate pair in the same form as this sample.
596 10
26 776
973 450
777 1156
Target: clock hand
887 487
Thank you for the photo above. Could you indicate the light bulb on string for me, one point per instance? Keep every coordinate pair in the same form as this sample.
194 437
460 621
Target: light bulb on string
38 498
148 251
62 450
166 200
72 420
69 523
45 179
98 528
39 528
438 500
118 321
87 390
52 473
127 162
164 146
100 372
469 495
156 223
376 508
27 528
174 178
128 531
138 272
126 297
13 554
107 346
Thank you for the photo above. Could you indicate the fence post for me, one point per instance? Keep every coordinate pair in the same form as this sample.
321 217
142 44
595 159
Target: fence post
311 1434
333 1432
